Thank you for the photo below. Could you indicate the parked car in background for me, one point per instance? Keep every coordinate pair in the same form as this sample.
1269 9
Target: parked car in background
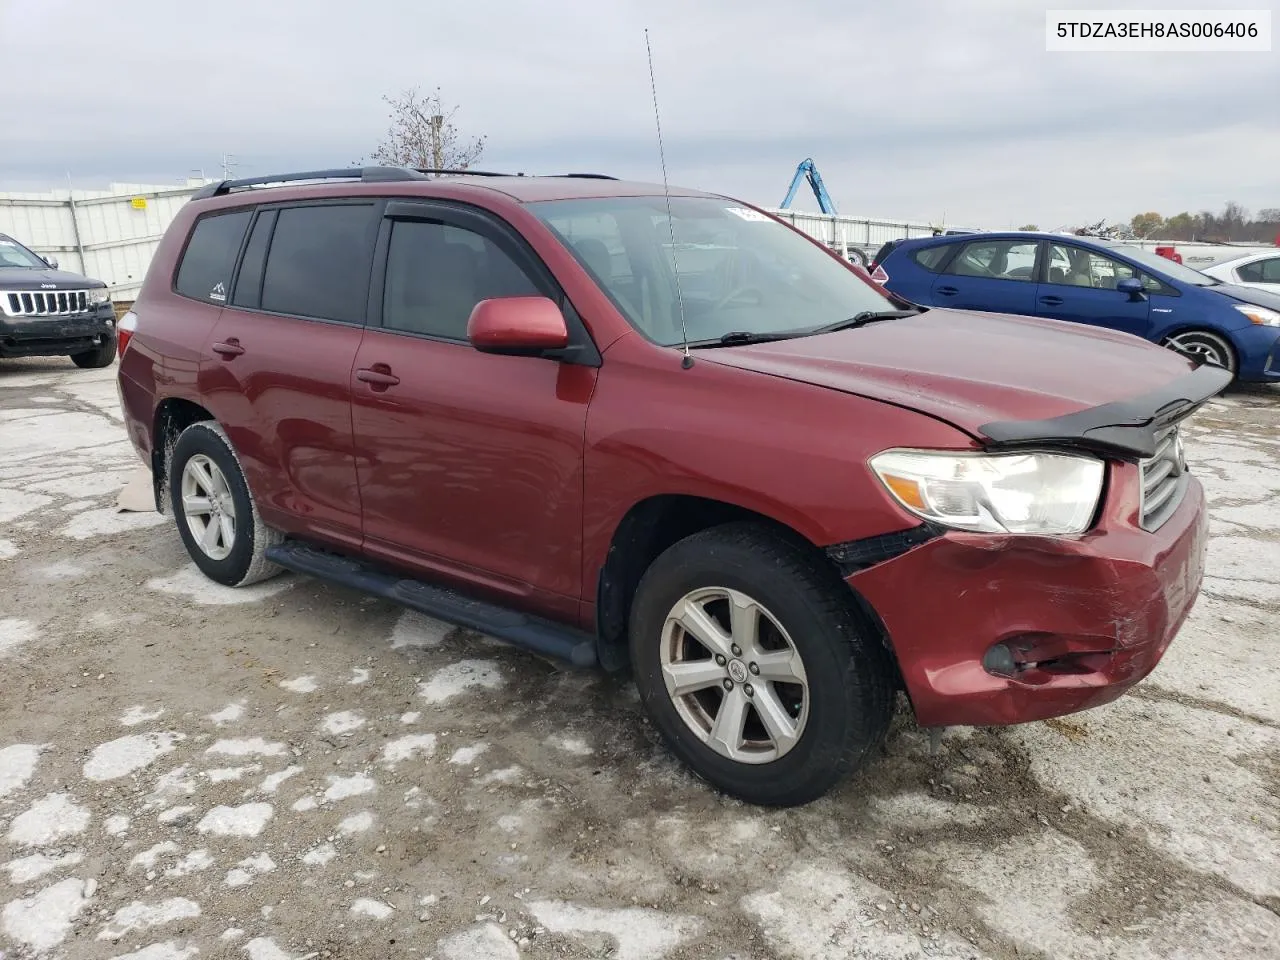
775 498
47 312
1261 270
1102 283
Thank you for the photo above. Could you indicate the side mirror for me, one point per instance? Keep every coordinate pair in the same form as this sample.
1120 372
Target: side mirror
517 326
1132 288
52 262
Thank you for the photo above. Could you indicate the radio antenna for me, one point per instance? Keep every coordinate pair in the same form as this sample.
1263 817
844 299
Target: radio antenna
687 362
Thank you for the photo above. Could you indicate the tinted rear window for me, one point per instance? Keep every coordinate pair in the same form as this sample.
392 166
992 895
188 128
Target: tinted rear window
205 271
932 258
318 265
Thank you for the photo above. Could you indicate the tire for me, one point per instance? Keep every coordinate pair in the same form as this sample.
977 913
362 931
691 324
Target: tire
102 356
1214 347
847 690
236 556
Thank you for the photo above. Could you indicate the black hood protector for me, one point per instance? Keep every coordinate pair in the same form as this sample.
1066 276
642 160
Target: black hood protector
1125 429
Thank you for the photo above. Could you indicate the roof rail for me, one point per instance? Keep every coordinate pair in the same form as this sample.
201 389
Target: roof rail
458 173
363 174
588 176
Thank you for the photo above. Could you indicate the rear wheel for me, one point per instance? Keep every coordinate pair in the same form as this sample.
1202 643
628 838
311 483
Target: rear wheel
755 668
100 356
1212 347
216 516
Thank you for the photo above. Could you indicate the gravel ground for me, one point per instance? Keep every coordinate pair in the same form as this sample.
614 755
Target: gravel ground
294 770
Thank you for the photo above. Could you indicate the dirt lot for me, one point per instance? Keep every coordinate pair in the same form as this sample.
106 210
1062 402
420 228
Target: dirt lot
296 771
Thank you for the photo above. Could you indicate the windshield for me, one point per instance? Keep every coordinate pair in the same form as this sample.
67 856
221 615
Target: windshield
14 254
740 271
1171 269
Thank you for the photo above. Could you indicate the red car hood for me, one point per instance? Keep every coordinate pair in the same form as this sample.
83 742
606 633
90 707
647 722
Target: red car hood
970 369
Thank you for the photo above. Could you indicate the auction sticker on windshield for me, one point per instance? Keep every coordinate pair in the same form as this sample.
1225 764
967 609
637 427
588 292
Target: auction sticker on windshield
746 213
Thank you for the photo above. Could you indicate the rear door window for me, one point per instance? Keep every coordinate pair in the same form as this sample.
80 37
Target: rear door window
210 257
996 260
932 258
1260 271
318 264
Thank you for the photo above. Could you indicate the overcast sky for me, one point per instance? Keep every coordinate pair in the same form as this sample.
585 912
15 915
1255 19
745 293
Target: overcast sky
911 108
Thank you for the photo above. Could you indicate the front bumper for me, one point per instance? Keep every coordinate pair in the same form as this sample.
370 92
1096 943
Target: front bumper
56 336
1259 354
1091 617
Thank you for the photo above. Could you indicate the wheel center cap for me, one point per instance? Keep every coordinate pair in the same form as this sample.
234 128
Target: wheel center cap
737 671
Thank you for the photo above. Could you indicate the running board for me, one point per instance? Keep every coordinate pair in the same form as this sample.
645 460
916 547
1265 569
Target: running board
522 630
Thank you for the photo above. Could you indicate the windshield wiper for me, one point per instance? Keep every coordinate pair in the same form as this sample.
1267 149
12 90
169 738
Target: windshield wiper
863 318
738 338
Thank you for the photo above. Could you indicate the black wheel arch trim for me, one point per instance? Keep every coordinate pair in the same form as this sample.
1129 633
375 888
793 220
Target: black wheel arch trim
1123 429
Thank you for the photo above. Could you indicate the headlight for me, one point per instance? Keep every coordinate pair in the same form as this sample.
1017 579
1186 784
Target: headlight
99 296
1259 315
1043 493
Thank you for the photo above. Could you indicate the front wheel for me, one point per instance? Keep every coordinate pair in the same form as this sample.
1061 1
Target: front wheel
1215 349
102 355
216 516
754 666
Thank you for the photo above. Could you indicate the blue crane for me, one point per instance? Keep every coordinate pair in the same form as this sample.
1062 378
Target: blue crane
807 171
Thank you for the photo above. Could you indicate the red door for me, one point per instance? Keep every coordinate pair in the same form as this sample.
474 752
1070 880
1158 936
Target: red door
470 464
279 369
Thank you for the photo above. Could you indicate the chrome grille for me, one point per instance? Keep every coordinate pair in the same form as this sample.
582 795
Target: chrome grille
43 303
1164 479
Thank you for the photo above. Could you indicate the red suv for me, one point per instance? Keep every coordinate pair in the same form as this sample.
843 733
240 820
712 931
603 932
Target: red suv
672 433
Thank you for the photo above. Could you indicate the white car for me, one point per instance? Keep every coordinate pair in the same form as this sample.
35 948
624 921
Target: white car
1261 270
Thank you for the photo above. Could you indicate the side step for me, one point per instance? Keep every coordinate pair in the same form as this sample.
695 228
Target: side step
522 630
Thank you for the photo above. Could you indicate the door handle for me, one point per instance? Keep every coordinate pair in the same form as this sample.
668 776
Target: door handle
1051 301
228 348
379 376
948 291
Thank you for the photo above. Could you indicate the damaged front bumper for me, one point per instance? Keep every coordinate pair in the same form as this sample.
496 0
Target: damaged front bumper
992 630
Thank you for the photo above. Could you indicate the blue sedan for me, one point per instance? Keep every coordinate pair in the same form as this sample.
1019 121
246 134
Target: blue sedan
1085 280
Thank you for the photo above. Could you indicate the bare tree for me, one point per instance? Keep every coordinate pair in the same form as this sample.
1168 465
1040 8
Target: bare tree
422 135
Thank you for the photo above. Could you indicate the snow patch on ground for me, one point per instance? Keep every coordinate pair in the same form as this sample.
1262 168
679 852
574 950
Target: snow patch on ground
246 820
14 503
341 723
176 815
142 916
341 788
271 783
147 858
319 856
106 522
305 684
127 755
465 756
189 582
407 747
410 717
304 804
49 819
223 774
15 633
194 862
415 629
169 950
228 714
248 747
375 909
641 934
247 869
140 714
8 549
574 745
37 865
42 921
485 942
115 825
359 675
460 677
17 767
356 823
264 948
